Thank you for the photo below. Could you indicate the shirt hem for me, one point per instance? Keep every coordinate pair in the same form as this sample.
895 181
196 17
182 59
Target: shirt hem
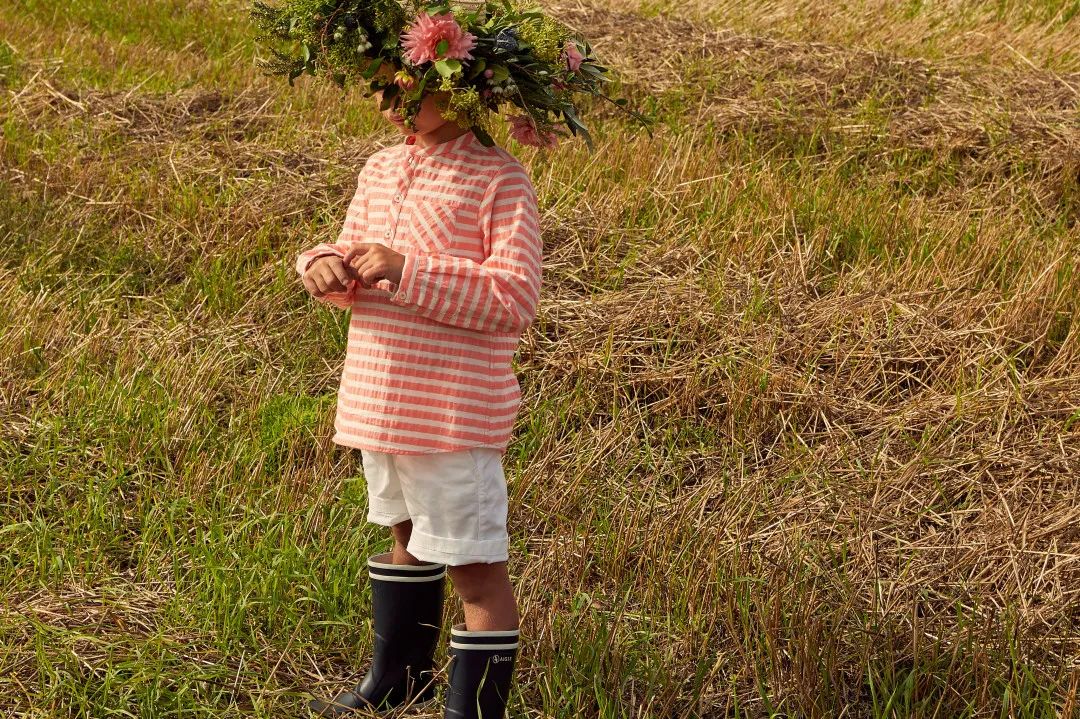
342 441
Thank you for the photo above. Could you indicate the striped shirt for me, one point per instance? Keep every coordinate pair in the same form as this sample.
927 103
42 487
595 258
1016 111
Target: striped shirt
428 361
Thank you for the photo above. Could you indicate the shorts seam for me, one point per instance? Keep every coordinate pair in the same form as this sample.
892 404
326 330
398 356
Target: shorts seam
478 478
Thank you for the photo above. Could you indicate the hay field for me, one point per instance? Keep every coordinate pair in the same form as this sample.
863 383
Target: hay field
800 434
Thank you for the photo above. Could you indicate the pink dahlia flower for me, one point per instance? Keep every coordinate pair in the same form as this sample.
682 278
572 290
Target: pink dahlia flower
523 129
420 42
573 55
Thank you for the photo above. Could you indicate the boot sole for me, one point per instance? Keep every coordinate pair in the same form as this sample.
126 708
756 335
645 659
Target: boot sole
429 704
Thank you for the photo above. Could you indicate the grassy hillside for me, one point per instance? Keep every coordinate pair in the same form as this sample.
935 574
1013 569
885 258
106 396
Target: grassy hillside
799 435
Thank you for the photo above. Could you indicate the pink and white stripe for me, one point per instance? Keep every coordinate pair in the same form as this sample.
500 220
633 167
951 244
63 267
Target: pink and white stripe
428 363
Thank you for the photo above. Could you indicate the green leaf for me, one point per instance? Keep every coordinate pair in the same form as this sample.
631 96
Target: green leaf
305 52
419 89
389 93
588 139
477 67
484 138
501 73
372 68
447 68
442 46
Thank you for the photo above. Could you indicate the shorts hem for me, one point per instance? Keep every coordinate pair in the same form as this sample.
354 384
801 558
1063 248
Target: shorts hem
387 519
454 552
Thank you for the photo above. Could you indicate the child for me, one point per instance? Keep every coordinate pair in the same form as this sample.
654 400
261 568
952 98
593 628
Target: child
439 261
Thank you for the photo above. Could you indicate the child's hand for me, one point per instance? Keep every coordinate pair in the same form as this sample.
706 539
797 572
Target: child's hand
327 274
371 262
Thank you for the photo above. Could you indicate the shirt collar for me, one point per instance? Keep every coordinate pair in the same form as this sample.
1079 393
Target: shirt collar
457 143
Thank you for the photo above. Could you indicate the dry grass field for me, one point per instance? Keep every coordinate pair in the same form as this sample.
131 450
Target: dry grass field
800 434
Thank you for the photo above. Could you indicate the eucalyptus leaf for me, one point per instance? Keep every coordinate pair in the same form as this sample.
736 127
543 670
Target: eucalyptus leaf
447 68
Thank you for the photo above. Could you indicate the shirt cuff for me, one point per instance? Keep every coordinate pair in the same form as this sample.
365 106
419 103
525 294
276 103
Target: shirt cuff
406 289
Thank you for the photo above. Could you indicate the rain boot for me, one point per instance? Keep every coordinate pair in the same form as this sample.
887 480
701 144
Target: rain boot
407 610
481 670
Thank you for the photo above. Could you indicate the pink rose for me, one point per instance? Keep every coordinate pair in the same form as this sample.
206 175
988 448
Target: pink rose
573 55
523 129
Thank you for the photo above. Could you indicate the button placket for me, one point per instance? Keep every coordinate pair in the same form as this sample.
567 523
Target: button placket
399 201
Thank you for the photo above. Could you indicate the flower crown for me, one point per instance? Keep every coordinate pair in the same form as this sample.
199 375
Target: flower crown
487 54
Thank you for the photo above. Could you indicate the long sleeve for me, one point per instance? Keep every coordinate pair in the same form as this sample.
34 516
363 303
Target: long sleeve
501 293
355 219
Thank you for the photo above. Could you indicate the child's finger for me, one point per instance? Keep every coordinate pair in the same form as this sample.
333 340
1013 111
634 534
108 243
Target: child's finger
340 273
358 249
374 272
310 286
327 280
367 271
355 274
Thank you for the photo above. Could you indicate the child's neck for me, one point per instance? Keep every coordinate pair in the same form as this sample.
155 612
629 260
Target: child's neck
443 133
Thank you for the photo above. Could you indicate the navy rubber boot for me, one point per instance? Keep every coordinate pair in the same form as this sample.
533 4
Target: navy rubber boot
481 671
407 610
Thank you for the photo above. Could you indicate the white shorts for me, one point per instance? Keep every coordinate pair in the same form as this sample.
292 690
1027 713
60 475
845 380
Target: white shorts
456 501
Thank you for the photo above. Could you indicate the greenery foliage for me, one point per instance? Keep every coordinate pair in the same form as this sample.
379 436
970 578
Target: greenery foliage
523 63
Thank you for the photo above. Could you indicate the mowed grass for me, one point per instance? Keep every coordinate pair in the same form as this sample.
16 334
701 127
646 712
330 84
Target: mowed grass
799 435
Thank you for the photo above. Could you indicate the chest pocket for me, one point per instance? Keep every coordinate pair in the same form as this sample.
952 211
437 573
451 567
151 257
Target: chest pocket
444 228
431 227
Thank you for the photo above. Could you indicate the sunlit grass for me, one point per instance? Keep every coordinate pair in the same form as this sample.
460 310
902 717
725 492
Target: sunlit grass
798 435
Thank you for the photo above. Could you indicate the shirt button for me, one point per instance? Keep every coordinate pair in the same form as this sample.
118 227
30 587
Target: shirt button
387 233
397 198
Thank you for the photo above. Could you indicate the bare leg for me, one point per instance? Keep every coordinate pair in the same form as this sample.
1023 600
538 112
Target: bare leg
402 531
488 596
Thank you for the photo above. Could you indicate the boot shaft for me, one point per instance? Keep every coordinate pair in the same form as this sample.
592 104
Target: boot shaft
407 611
481 673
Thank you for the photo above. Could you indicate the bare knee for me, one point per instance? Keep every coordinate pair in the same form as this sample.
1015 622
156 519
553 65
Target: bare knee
476 582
